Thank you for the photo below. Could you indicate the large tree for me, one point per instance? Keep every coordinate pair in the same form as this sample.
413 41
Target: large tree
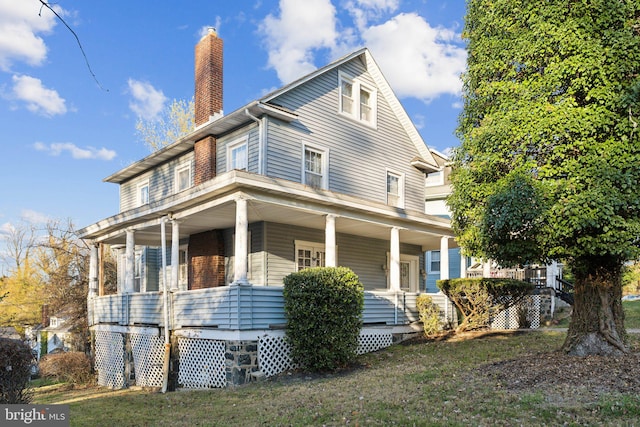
549 161
175 120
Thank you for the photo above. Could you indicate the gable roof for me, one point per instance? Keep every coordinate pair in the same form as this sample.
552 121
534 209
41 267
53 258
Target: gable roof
264 106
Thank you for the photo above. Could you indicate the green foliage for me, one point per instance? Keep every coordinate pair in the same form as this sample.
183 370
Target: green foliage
429 314
72 367
480 299
547 167
15 372
324 308
44 342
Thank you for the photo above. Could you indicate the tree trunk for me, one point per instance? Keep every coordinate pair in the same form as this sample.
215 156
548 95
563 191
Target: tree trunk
597 322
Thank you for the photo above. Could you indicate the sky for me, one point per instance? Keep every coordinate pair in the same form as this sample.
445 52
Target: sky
68 115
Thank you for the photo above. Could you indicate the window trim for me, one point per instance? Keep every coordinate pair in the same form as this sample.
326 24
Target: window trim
356 111
139 187
231 146
299 244
180 169
414 271
429 261
324 152
436 183
401 188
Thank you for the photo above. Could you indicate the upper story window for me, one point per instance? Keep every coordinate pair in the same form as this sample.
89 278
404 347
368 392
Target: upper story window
314 168
357 100
237 155
183 178
434 178
142 193
395 189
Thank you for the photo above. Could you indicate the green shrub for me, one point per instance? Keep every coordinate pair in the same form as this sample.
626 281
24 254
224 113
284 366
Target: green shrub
15 371
429 314
480 299
72 367
324 308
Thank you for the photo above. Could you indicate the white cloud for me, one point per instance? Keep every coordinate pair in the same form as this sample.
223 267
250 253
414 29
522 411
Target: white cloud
365 10
147 101
33 217
419 60
76 152
39 99
21 22
292 38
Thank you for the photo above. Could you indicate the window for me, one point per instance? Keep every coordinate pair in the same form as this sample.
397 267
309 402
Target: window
137 271
183 178
433 261
53 322
434 178
183 272
357 100
142 193
314 169
395 189
309 254
237 155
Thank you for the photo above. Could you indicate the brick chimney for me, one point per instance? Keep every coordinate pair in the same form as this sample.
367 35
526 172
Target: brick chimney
208 101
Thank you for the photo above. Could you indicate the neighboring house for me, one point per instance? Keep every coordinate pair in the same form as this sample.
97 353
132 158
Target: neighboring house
58 335
9 332
328 170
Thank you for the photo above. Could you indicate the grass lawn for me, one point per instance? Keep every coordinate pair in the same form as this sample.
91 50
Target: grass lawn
424 383
631 316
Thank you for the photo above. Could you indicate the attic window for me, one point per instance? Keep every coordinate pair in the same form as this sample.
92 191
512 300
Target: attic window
357 100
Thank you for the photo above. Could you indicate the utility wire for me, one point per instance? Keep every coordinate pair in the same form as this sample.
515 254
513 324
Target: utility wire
86 60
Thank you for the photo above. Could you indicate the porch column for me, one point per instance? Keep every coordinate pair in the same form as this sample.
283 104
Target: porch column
129 257
93 271
463 266
444 258
241 251
330 241
394 260
175 254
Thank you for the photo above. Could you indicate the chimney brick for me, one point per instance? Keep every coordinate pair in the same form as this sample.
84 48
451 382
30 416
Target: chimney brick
205 160
208 76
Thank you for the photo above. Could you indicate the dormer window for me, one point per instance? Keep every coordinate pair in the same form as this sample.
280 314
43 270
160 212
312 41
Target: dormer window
183 178
357 100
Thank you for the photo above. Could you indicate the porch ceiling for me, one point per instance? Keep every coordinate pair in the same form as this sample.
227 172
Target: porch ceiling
213 207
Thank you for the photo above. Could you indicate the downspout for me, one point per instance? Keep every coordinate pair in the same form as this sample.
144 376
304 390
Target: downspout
165 306
260 140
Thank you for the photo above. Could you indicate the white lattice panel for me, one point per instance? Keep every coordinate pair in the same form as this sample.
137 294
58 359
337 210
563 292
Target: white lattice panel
508 319
202 363
274 355
109 350
368 343
148 357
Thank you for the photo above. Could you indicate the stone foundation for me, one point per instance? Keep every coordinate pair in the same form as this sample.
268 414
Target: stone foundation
241 360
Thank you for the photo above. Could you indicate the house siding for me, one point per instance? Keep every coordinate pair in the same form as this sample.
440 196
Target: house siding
252 134
350 143
161 182
454 271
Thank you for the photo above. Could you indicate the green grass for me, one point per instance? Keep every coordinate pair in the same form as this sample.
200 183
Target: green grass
631 316
429 383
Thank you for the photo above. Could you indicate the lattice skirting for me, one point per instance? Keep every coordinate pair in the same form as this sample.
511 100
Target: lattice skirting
201 363
274 353
148 357
509 319
109 351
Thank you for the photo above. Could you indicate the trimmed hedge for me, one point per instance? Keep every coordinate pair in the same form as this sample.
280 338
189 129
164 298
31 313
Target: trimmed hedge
480 299
15 371
323 307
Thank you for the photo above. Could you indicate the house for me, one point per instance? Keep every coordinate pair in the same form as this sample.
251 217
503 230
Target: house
57 336
328 170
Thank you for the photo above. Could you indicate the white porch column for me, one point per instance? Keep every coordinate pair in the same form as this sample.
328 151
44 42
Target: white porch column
463 266
175 254
330 241
93 271
394 260
241 251
444 258
130 257
486 268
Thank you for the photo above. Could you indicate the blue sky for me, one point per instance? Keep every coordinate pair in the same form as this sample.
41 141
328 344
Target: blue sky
63 131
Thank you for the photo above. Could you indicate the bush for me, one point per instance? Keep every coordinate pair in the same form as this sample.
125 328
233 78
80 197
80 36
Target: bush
15 371
429 315
323 307
72 367
480 299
